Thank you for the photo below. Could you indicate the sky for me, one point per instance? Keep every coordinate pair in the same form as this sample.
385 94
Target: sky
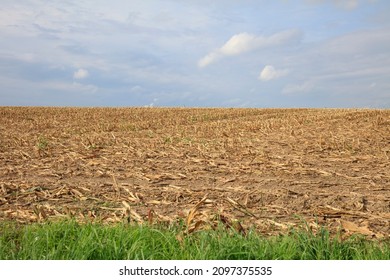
195 53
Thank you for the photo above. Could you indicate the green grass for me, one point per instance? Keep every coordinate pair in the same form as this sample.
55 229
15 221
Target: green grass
69 240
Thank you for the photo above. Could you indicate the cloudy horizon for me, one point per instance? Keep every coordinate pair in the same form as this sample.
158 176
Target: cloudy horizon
307 53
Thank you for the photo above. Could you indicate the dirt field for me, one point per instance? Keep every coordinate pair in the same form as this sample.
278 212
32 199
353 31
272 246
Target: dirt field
264 168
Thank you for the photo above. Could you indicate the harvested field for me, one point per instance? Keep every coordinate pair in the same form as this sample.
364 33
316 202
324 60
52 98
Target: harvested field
271 169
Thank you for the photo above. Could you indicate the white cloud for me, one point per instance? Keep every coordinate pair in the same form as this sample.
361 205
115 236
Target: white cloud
80 74
270 73
240 43
151 105
246 42
208 59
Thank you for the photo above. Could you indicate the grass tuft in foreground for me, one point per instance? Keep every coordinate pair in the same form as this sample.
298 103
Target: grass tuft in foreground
70 240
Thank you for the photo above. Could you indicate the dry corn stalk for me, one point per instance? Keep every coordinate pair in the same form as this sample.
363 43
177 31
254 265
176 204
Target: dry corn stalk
194 213
233 224
240 207
116 186
131 214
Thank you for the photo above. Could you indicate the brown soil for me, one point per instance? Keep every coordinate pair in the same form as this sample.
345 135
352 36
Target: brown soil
271 169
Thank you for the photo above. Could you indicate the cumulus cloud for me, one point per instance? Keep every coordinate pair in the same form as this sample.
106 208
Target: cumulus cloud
208 59
240 43
80 74
246 42
270 73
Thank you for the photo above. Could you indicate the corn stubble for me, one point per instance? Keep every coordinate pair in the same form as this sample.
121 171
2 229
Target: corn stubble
265 169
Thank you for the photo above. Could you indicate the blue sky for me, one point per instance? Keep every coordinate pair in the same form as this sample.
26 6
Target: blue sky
281 53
